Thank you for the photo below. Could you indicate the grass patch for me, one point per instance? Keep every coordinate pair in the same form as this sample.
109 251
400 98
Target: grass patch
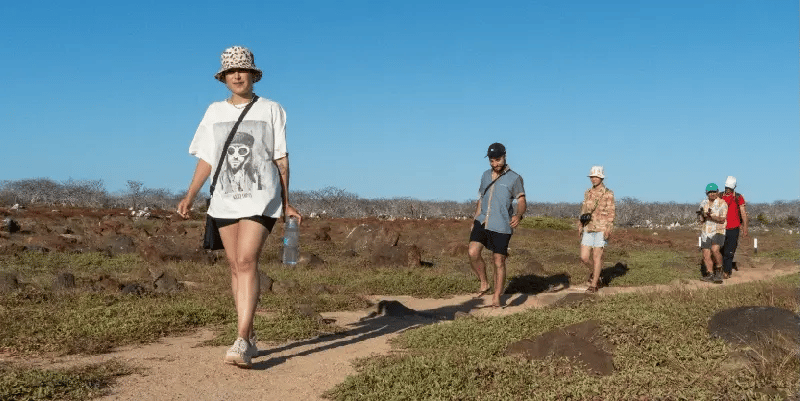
283 325
784 254
94 323
92 381
648 267
550 223
659 340
90 322
793 279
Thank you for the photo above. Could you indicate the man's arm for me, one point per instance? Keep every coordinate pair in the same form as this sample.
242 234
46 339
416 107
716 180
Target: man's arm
744 217
283 172
608 213
521 210
720 217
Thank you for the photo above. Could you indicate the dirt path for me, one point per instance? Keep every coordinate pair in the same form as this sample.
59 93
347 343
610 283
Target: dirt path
177 369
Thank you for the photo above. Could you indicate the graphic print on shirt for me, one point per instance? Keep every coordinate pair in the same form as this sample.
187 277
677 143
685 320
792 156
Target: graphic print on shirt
245 164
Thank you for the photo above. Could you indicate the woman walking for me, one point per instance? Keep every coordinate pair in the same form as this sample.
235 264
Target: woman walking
595 225
252 175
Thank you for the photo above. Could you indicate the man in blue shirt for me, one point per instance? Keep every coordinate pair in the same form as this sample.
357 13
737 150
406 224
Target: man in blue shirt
495 219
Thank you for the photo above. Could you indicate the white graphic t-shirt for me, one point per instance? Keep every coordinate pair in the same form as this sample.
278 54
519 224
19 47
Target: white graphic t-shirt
249 183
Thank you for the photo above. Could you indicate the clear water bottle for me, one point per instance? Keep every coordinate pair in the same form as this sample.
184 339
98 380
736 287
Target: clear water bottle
291 251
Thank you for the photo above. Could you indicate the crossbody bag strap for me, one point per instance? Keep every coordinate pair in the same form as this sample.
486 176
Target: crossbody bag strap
493 182
597 201
228 142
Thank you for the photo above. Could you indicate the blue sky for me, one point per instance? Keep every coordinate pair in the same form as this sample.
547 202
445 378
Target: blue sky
402 98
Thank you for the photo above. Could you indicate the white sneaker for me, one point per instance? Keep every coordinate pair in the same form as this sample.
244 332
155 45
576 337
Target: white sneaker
253 349
238 353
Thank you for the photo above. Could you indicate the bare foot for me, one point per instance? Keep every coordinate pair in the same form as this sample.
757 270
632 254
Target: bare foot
496 303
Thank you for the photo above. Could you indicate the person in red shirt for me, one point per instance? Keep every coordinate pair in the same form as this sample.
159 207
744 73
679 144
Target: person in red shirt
735 218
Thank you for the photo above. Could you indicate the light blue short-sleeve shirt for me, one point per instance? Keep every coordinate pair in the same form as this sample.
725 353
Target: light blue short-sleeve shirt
496 202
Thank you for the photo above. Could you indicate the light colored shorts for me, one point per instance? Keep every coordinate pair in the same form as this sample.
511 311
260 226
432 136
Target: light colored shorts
593 239
716 239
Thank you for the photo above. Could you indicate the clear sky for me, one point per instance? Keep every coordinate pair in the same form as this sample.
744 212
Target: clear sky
401 98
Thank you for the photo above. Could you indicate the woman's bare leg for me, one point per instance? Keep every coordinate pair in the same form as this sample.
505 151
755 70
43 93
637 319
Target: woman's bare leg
243 242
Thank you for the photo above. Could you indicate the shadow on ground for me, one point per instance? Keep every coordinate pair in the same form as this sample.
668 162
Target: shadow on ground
387 318
535 284
610 273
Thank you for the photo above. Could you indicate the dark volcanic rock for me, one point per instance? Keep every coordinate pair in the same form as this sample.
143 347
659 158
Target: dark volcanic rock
367 237
535 267
265 282
286 287
455 249
392 308
106 283
309 311
320 289
577 342
323 233
749 324
310 259
64 281
134 289
8 282
572 298
166 283
9 225
401 255
159 248
119 244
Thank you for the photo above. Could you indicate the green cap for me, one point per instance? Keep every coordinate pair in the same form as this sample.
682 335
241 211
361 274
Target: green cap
712 187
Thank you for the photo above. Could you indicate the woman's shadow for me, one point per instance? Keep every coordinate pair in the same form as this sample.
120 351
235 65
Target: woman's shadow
387 318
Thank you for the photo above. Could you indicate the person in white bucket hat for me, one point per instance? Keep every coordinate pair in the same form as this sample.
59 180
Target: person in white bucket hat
595 223
250 131
736 217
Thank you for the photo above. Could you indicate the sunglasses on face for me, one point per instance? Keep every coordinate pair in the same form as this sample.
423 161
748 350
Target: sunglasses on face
238 151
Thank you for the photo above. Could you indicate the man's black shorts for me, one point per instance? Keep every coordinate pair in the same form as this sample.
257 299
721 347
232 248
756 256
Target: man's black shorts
267 222
495 242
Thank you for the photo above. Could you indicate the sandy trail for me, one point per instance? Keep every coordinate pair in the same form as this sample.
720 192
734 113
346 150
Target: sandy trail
176 368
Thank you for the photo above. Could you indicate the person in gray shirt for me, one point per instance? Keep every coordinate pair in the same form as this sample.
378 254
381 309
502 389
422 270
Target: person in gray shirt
495 219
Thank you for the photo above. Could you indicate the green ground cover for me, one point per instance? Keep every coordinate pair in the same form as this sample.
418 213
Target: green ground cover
651 331
662 349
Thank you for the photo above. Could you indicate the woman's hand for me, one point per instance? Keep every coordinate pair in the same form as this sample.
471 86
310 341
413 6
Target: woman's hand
290 211
185 206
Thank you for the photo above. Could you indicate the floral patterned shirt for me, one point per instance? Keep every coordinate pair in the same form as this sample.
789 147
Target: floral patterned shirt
719 209
603 215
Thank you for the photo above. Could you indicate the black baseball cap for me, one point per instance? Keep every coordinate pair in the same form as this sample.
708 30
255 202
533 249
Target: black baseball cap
496 150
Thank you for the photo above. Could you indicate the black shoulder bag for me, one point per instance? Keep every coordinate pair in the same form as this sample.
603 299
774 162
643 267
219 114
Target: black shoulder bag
211 237
586 217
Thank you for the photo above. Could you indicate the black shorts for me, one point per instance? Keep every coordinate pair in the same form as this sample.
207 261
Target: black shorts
495 242
267 222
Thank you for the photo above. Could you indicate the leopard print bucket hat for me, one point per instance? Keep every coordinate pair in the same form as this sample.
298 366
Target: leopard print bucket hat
237 57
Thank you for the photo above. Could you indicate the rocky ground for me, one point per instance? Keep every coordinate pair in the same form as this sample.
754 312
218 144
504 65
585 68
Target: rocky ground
178 368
